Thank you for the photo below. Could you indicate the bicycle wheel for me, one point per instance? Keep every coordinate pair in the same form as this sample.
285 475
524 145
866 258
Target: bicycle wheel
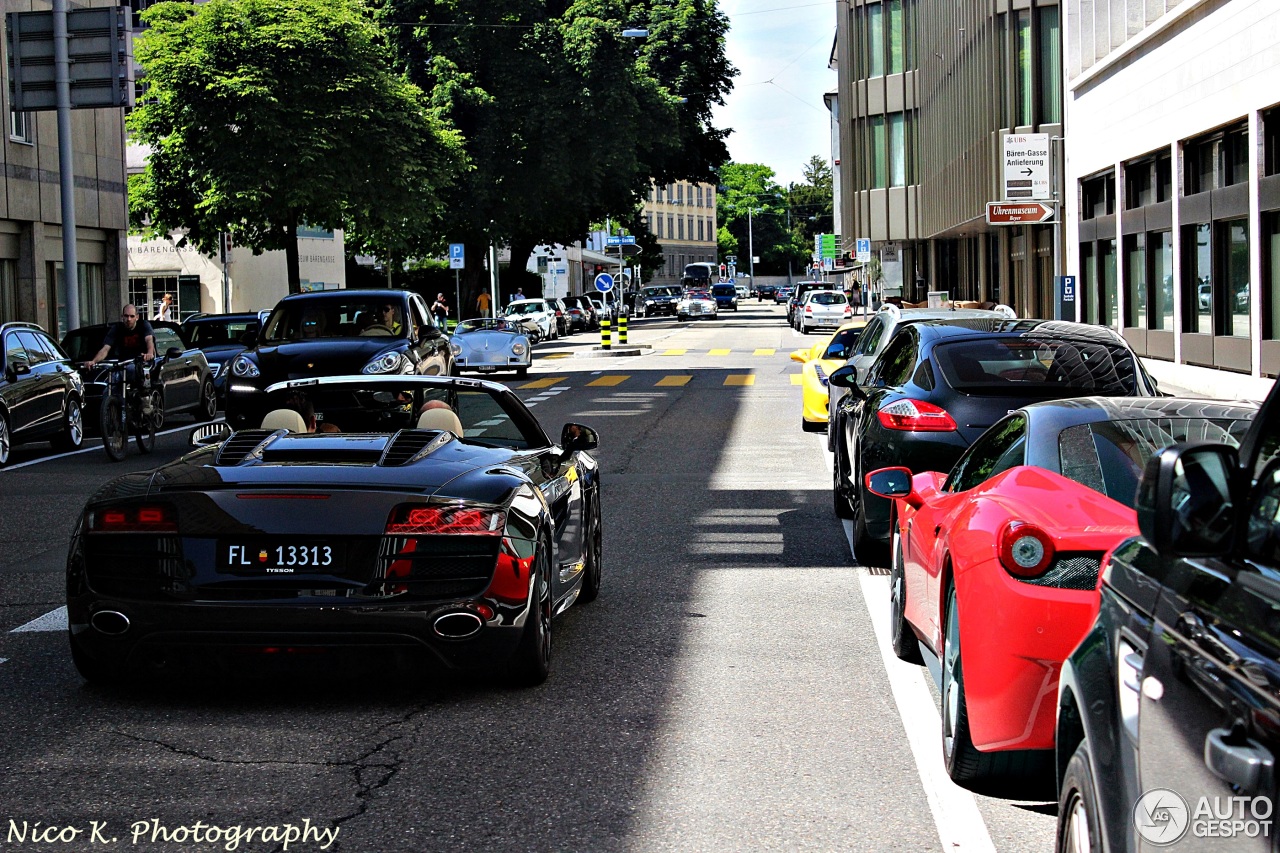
144 429
111 425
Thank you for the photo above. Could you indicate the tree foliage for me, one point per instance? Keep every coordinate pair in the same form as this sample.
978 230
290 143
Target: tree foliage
783 221
265 114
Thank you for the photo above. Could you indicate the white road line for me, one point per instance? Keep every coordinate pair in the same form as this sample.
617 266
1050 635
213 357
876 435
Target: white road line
54 620
955 812
96 446
2 660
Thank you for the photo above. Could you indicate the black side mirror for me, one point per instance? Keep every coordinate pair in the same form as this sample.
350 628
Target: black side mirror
17 367
847 377
173 352
1186 500
206 434
249 339
578 437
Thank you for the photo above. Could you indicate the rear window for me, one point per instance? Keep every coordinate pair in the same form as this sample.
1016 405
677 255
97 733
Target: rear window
1109 456
1027 366
724 290
827 299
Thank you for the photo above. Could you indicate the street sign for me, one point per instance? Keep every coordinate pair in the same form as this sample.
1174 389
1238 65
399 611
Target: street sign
604 282
1065 291
1026 165
457 256
864 250
1009 213
100 47
624 240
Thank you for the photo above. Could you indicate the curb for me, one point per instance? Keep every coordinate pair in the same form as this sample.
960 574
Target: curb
612 353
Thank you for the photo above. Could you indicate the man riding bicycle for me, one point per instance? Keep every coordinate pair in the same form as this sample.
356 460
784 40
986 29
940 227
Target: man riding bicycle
128 339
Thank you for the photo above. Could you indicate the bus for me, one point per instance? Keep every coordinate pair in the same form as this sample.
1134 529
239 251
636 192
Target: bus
700 275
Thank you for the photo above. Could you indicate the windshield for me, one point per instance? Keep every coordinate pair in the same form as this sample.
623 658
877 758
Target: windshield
827 298
651 292
697 294
308 319
842 344
210 333
1025 365
484 324
526 307
83 344
724 290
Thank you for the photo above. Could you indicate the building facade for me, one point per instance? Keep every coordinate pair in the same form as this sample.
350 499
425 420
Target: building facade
682 215
1173 127
33 283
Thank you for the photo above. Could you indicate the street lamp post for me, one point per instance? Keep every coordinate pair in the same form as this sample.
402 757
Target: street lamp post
751 249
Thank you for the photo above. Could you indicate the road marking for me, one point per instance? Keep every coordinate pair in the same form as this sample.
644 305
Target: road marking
3 660
54 620
675 352
797 379
98 446
740 379
764 351
544 383
719 352
955 812
608 381
673 381
555 390
554 355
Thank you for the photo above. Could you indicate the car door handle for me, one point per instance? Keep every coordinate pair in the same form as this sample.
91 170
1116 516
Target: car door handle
1248 765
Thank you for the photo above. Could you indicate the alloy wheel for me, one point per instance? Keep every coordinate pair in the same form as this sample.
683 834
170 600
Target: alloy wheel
951 671
1077 835
75 424
4 440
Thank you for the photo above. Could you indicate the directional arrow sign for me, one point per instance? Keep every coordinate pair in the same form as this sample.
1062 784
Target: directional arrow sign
1011 213
1026 166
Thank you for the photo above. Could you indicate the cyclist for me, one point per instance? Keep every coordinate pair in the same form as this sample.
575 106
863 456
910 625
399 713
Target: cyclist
126 340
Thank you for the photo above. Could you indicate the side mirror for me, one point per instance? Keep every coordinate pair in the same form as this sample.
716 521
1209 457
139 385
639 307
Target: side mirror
173 352
800 355
249 339
17 367
578 437
894 483
1185 500
847 377
206 434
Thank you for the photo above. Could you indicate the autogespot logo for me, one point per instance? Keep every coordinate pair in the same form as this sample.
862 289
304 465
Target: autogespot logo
1161 817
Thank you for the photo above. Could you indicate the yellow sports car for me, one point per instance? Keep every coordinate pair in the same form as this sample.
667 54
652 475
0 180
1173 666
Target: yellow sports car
819 360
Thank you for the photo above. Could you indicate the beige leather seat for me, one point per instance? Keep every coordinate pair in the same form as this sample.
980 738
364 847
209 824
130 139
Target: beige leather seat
284 419
443 419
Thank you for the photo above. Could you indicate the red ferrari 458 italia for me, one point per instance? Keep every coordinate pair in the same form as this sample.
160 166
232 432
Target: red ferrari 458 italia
995 566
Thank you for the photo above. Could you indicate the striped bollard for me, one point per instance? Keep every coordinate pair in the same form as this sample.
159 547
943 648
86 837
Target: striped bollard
606 341
622 330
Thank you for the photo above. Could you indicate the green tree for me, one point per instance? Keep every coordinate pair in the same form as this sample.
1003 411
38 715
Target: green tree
752 187
265 114
811 204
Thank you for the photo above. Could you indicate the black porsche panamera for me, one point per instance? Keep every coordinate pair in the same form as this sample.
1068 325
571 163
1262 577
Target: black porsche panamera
450 535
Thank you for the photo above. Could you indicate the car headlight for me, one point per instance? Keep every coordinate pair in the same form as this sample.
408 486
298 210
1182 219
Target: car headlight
648 302
388 362
456 349
518 349
243 366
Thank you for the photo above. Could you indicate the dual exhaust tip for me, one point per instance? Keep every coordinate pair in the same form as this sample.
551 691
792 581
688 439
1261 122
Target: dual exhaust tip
110 622
456 625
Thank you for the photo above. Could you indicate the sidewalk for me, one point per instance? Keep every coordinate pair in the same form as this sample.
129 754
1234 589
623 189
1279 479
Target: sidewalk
1185 380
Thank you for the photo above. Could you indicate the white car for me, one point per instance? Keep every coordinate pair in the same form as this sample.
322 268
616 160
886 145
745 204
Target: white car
822 308
694 304
743 293
539 311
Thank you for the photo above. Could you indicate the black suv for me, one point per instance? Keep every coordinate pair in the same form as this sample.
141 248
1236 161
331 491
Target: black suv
659 299
1169 709
41 395
336 333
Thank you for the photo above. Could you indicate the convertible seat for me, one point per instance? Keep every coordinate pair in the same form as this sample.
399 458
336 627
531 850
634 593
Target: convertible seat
443 419
284 419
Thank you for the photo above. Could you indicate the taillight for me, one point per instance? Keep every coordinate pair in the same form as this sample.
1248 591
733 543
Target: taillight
417 520
1026 551
808 309
848 311
147 518
916 416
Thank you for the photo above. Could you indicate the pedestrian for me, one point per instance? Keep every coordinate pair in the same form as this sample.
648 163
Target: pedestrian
440 308
482 303
517 296
165 311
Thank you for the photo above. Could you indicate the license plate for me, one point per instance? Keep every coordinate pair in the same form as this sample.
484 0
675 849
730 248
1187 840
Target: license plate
487 368
280 558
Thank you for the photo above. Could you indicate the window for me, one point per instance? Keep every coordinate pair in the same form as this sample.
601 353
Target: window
1270 274
897 51
20 126
1136 280
875 32
8 290
1160 252
701 232
1108 307
1050 70
681 228
1216 161
1088 289
671 226
897 150
999 449
1022 67
1139 184
1197 269
1271 142
898 361
1235 244
879 153
92 292
1098 196
679 193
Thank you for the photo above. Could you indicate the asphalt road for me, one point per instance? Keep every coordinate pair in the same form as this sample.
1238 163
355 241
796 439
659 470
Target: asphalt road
729 690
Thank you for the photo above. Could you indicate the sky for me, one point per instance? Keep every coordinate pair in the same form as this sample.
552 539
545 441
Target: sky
781 49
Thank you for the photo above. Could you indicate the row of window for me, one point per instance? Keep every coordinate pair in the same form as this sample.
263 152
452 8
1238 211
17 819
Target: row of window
889 143
675 227
1033 45
699 196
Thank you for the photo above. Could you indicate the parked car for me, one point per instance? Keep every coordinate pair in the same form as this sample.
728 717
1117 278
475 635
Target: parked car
657 300
1169 708
564 327
487 345
936 388
440 537
726 296
221 337
582 314
185 379
41 394
540 311
820 361
782 295
822 309
694 304
334 333
741 290
994 567
798 293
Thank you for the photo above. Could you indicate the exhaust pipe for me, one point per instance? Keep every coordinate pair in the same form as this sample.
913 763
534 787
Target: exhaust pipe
458 625
110 622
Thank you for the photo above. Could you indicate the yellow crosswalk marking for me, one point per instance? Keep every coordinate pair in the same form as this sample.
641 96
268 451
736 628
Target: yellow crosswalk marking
765 351
719 352
740 379
797 379
556 355
673 381
675 352
609 381
543 383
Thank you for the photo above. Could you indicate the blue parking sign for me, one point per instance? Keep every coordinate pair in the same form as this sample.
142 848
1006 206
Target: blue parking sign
457 256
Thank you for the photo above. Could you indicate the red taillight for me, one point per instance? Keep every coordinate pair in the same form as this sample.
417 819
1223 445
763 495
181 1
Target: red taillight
1026 551
808 309
428 520
916 416
149 518
848 311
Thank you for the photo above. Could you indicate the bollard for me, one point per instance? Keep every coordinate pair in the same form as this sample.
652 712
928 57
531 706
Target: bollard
622 330
605 341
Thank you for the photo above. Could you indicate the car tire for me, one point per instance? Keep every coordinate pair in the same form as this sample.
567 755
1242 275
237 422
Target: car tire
806 330
867 551
901 637
812 426
531 663
842 506
72 434
5 440
1079 821
591 572
208 400
522 373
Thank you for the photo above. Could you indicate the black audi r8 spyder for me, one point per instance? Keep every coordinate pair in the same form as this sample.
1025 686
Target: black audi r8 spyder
406 514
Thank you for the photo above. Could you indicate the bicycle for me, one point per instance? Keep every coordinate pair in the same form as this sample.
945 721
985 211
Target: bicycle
129 407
